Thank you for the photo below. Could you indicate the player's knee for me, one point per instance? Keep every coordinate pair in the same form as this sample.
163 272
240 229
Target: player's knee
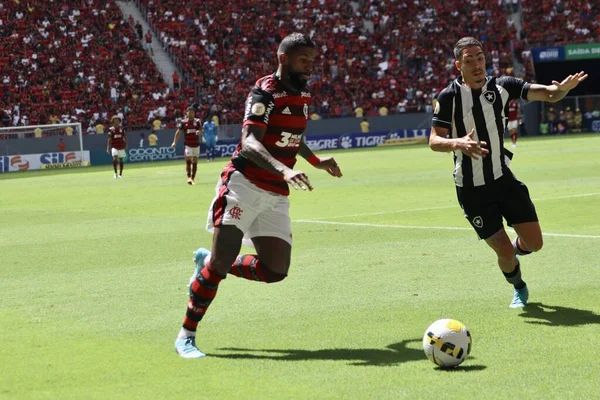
273 277
534 244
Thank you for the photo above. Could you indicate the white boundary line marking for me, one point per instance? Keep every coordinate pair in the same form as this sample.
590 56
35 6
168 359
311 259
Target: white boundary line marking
444 207
446 228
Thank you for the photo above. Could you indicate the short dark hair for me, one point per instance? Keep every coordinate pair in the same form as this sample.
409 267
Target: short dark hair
465 43
294 41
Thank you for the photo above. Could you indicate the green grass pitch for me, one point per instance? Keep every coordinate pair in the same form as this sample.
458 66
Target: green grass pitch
93 275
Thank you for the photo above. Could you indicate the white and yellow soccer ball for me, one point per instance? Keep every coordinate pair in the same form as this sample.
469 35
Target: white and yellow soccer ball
447 343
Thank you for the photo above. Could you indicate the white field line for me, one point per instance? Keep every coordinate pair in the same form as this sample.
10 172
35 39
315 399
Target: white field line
445 207
446 228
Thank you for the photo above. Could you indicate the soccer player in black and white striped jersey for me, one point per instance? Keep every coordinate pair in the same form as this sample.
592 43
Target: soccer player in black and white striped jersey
469 120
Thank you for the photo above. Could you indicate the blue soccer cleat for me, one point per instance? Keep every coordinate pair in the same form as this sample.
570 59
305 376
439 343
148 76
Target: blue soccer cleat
186 348
199 256
520 298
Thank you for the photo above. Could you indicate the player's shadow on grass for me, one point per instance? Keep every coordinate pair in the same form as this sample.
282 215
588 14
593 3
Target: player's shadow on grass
393 354
543 314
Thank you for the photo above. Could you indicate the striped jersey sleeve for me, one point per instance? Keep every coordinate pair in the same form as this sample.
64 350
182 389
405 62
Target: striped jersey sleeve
259 106
516 88
442 114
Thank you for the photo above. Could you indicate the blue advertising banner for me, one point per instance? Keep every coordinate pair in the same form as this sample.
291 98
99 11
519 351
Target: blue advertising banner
361 140
548 54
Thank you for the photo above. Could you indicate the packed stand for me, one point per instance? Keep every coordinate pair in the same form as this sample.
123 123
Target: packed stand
556 22
374 58
75 61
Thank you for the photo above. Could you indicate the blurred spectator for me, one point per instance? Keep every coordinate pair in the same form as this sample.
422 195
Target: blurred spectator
61 145
152 139
364 126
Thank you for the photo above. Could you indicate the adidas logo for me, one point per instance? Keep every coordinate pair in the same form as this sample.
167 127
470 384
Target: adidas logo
286 111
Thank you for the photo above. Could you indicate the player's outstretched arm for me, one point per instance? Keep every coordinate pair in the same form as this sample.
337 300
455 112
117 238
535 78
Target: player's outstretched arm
557 91
253 149
327 163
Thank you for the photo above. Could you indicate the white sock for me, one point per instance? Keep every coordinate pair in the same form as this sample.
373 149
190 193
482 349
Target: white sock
183 333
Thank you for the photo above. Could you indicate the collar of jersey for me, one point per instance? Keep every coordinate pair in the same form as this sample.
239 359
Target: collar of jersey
287 88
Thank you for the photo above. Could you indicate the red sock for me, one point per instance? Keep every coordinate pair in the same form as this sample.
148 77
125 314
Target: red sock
249 267
202 292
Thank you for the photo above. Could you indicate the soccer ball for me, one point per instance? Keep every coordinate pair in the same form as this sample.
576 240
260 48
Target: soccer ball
447 343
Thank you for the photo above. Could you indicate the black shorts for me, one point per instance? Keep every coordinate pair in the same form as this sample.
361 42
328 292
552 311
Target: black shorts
485 206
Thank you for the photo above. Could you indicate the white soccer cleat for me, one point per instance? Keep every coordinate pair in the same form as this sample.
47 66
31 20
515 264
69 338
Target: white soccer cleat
186 348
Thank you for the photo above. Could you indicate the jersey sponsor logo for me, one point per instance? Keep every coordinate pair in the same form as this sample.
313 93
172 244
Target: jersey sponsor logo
236 212
305 94
478 221
489 96
286 111
289 140
268 112
258 109
280 95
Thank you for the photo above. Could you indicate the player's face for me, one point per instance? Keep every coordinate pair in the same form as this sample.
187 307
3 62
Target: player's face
116 122
191 114
472 65
300 65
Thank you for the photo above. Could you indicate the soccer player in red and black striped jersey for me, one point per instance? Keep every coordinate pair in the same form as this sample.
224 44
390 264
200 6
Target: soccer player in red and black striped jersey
251 203
192 129
117 144
513 121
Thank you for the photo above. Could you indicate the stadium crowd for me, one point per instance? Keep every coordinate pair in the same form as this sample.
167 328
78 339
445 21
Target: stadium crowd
75 61
82 60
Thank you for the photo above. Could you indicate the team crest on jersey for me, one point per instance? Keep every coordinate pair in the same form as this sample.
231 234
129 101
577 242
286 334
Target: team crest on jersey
478 222
305 110
489 96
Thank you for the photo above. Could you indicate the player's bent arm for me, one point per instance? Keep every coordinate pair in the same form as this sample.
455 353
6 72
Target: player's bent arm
438 140
253 149
308 154
549 93
176 138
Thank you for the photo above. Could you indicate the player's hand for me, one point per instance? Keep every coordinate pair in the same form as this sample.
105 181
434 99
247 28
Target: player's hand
297 179
107 151
329 165
570 82
472 148
173 145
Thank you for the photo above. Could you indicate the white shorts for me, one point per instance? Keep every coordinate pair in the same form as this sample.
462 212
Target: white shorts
254 211
513 125
117 153
192 151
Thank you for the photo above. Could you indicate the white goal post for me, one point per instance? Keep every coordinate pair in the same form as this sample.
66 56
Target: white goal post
25 148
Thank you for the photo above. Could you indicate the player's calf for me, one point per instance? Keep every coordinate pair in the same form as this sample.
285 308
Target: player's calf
249 267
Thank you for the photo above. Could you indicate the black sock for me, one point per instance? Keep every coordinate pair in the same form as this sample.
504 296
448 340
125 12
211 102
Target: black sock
514 277
518 250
